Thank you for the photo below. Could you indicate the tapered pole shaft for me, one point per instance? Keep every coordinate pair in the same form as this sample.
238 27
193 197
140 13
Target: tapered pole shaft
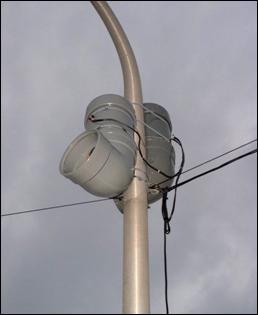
136 298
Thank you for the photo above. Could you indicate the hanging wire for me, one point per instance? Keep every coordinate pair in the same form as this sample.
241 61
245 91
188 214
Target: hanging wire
164 190
167 218
206 162
210 170
54 207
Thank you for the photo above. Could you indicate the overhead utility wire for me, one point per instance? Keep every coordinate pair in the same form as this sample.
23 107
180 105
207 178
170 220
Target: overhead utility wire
206 162
104 199
219 156
54 207
209 171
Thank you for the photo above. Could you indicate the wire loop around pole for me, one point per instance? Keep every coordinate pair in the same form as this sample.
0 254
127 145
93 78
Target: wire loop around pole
149 111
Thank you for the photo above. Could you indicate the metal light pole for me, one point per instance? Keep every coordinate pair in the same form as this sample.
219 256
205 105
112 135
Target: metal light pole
136 298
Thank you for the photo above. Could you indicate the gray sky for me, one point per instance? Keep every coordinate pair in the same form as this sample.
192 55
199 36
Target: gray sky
199 61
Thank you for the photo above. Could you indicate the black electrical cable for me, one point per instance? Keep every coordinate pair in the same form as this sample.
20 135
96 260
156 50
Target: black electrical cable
209 171
167 218
206 162
219 156
166 271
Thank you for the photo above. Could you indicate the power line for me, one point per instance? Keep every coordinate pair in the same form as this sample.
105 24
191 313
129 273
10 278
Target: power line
209 171
167 189
54 207
206 162
219 156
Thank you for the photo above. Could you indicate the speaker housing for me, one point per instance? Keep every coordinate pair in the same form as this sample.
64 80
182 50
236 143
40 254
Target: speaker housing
159 151
101 160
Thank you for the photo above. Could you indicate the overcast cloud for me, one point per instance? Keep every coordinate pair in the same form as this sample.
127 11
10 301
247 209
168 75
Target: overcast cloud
199 61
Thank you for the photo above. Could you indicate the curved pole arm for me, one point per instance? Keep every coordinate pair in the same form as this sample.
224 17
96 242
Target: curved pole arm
132 81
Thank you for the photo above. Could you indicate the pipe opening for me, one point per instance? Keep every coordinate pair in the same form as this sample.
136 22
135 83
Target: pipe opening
75 155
